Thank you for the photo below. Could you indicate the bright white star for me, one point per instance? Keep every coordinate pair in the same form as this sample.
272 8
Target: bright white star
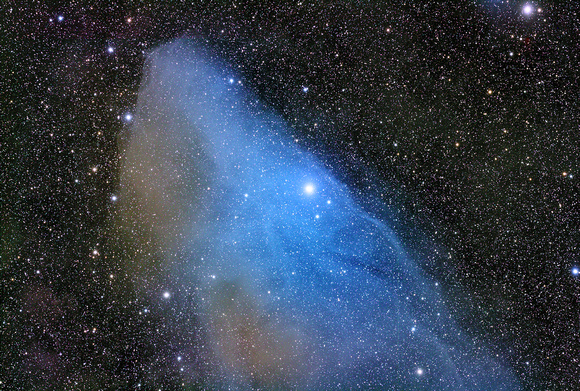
309 189
528 9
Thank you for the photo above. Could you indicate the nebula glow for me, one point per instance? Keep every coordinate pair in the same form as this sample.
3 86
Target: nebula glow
296 286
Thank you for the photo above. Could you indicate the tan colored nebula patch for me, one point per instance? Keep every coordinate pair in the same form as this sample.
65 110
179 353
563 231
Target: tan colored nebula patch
161 189
253 343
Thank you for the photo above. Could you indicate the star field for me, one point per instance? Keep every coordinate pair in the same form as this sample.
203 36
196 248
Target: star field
454 125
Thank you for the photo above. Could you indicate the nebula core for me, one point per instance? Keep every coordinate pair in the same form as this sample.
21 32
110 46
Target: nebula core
295 285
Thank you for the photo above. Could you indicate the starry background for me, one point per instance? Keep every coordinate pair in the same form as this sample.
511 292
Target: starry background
468 109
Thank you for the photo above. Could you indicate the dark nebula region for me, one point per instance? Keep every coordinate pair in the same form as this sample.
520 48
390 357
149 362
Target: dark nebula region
296 286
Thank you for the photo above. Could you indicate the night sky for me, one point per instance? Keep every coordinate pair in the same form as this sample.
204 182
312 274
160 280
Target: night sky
451 129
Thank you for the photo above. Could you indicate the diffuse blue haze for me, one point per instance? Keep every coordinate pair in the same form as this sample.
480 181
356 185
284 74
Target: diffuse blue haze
296 287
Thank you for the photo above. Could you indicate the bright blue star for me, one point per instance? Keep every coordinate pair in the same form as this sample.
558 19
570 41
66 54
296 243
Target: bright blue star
309 189
575 271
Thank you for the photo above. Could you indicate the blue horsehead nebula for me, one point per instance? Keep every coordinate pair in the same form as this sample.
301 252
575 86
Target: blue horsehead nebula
296 285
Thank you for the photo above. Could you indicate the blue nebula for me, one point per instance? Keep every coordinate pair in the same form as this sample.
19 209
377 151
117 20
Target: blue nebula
296 286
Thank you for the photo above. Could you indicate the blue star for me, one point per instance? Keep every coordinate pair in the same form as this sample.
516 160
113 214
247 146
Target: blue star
309 189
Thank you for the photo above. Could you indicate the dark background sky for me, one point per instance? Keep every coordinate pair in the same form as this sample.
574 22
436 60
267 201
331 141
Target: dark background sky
463 116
